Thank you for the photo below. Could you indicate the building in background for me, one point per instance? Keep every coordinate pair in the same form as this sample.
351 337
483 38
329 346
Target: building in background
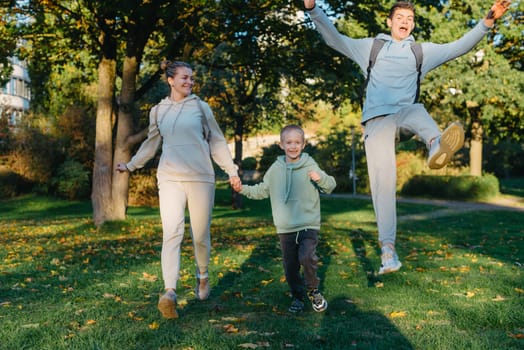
15 96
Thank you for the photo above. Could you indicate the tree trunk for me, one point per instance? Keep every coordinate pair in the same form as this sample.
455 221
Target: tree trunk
475 151
122 154
103 166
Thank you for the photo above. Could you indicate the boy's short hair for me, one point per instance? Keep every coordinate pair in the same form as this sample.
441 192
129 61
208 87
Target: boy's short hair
290 127
401 5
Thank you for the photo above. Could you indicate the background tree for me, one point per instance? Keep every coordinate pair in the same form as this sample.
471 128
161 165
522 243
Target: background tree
8 39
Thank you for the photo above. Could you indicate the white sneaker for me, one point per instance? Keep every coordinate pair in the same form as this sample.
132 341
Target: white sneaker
390 261
444 147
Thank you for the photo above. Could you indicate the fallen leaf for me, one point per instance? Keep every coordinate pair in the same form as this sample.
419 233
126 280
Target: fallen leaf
498 298
229 328
398 314
149 278
154 325
233 319
31 325
517 335
248 346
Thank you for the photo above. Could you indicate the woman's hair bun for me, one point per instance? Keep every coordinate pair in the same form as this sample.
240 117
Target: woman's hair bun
164 64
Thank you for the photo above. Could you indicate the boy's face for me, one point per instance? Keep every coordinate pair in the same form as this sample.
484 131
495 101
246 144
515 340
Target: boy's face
292 142
401 24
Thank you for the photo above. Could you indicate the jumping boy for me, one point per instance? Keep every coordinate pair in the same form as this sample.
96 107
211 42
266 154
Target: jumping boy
390 103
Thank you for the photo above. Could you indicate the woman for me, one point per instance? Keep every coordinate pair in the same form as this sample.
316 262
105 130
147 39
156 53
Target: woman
190 136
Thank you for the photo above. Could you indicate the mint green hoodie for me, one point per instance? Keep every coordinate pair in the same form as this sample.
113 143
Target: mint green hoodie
186 155
295 199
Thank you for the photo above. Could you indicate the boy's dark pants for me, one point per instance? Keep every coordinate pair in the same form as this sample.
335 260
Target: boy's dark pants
299 249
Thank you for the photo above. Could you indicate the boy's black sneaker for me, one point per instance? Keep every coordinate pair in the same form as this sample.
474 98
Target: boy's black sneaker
297 306
317 300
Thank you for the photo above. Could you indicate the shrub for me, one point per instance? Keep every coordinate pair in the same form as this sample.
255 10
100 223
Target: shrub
464 187
269 155
249 163
11 184
34 156
143 189
71 180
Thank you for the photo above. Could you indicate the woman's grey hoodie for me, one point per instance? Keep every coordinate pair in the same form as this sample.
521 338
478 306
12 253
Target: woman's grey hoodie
186 155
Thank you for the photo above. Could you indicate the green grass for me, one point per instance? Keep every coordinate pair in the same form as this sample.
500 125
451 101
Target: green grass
66 285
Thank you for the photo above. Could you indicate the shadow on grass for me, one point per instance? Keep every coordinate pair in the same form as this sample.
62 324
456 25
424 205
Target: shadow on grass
257 294
32 207
346 327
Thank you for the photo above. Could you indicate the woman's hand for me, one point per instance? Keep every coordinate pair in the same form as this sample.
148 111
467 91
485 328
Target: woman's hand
121 168
235 183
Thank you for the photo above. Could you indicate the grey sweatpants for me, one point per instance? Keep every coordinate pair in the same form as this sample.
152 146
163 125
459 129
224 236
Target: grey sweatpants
379 139
200 197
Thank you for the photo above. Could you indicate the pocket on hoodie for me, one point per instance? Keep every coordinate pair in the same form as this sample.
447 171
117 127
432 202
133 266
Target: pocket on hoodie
186 159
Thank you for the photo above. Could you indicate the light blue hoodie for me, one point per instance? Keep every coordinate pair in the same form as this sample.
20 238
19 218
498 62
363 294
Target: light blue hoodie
295 199
393 81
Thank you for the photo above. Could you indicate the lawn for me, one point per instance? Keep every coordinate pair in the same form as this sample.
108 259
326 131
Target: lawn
66 285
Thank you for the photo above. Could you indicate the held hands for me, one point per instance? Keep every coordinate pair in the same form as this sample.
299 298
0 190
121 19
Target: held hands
497 10
121 168
309 4
235 183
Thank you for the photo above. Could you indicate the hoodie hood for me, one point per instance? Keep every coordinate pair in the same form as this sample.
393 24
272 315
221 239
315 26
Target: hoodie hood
168 101
409 40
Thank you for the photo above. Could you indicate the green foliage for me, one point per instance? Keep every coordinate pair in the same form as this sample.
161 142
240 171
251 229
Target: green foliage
34 155
11 184
504 159
268 157
334 154
453 187
72 180
249 163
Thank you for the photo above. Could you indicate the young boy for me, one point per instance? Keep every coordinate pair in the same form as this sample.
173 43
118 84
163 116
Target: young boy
293 183
390 104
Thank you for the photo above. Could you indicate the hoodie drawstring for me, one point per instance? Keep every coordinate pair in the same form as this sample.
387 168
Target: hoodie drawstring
289 177
297 236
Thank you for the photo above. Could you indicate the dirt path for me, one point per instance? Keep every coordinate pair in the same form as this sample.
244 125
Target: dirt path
505 203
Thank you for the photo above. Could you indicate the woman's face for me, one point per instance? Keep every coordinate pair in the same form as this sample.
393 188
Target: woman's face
181 83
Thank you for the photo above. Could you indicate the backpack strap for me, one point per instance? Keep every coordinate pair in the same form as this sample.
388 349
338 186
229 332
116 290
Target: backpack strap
205 124
417 51
375 48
